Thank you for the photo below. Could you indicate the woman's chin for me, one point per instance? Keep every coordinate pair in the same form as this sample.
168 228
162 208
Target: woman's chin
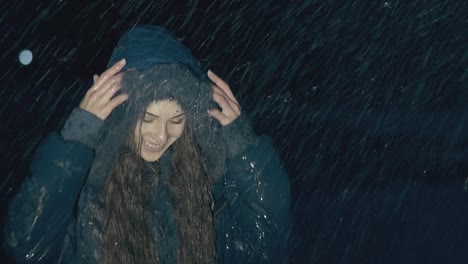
151 156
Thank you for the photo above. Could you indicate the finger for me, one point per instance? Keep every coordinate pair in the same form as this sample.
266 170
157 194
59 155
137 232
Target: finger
227 105
218 115
116 101
223 103
221 84
103 78
233 104
112 82
217 80
89 92
106 97
110 72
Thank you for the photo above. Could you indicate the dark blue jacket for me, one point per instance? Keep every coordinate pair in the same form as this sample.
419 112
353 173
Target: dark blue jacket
51 218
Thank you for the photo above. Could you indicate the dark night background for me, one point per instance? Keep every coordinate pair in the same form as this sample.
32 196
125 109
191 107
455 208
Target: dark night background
366 102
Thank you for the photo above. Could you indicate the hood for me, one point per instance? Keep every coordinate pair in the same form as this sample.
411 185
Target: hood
147 45
165 69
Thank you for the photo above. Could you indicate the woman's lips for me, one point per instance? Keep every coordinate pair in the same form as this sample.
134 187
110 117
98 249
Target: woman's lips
152 147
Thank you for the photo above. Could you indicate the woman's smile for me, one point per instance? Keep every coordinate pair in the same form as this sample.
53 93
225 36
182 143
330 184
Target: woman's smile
153 147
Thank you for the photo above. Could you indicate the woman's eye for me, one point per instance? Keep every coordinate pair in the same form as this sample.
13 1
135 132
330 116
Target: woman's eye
147 120
180 121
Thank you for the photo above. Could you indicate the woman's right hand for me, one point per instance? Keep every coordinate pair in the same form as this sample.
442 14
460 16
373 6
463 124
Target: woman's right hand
100 100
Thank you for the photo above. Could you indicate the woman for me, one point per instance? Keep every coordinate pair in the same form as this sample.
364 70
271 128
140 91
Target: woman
155 166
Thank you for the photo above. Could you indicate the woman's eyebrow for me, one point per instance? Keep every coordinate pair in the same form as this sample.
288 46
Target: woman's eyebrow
148 113
179 115
151 114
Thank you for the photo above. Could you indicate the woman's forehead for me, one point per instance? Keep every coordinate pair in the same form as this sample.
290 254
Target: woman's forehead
164 108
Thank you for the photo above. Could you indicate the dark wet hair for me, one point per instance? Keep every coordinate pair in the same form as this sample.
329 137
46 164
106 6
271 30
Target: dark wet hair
128 194
197 160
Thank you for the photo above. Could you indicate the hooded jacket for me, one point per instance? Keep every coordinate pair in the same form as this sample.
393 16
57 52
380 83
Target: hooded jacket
55 217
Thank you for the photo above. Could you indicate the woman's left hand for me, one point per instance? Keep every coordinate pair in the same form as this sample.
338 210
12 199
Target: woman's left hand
223 96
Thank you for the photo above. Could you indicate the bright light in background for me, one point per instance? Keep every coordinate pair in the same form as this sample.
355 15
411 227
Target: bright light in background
25 57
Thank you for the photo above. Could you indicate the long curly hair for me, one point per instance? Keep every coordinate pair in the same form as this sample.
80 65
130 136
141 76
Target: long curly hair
129 218
120 174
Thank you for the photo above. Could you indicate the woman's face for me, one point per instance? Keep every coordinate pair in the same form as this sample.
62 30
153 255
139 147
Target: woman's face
162 124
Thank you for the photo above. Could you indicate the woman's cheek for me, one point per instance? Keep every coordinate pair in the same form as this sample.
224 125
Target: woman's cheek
178 129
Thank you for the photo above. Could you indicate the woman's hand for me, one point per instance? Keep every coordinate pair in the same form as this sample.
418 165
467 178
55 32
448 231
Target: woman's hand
222 95
100 100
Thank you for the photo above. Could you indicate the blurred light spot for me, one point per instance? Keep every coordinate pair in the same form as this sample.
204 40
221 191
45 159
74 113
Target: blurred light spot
25 57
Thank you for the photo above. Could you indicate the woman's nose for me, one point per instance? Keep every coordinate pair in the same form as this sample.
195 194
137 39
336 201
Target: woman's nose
160 133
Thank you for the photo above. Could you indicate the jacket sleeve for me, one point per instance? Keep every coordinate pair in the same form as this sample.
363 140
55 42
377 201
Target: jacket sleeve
253 218
40 216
